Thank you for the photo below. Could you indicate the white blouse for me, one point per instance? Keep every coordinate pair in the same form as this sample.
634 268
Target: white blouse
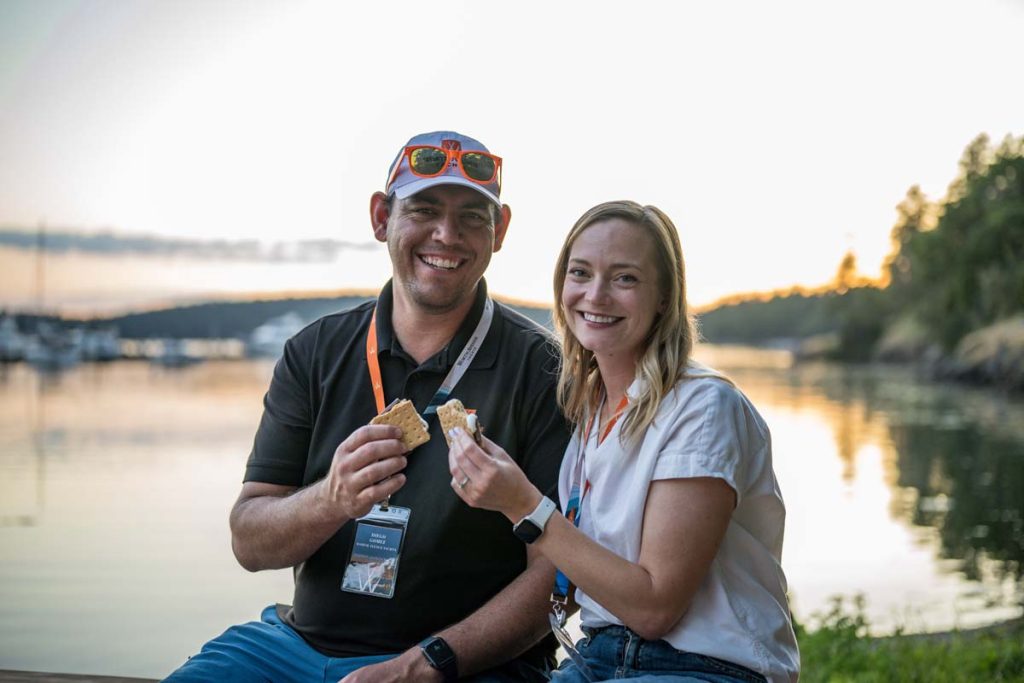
705 427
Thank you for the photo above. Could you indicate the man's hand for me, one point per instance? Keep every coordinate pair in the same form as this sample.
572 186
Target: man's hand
365 470
274 526
409 667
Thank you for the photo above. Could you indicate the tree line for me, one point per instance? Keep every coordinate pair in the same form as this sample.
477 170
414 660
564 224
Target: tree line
956 265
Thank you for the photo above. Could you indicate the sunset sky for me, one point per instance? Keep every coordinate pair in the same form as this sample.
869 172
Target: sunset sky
777 135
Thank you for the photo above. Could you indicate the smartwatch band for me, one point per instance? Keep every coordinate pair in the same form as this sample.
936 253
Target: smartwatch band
530 527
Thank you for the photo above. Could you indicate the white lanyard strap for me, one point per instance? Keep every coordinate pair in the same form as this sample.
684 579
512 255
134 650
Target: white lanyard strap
466 357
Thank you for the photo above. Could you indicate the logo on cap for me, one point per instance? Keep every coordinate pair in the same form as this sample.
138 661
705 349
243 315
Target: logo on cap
451 144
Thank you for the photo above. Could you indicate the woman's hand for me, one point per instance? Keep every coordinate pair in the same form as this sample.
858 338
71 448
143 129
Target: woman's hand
486 477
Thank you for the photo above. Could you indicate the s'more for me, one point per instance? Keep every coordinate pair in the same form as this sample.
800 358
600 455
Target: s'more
403 415
453 414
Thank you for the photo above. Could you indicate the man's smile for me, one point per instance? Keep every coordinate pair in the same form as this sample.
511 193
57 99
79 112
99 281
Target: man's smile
441 262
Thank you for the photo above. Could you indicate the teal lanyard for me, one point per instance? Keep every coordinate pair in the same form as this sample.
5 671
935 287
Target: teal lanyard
579 490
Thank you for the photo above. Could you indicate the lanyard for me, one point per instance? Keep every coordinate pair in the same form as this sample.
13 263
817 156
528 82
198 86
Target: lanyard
611 423
573 510
454 375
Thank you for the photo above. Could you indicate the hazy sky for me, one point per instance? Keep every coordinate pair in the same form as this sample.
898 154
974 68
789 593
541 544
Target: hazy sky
776 134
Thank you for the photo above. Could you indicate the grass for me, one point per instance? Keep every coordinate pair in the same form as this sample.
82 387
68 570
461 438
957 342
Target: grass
840 650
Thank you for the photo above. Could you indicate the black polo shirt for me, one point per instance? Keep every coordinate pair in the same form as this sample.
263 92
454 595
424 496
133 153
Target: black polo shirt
455 557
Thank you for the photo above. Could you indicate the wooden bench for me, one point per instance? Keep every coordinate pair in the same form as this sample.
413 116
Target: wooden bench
42 677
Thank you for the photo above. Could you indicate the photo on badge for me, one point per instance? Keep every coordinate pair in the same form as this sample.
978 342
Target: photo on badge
372 567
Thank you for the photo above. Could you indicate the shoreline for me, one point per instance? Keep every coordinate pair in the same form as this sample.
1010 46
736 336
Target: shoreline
990 357
1001 629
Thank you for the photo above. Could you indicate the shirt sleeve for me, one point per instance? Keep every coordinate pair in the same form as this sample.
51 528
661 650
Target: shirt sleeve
281 445
712 433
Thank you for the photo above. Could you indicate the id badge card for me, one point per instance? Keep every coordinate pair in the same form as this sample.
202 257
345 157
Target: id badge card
372 567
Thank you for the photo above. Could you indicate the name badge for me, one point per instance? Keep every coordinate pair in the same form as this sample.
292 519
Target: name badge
372 567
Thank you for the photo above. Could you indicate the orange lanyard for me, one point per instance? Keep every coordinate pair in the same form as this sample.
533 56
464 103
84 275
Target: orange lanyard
374 364
459 368
611 423
586 436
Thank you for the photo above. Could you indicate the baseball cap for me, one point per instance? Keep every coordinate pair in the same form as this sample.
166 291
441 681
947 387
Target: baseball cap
406 183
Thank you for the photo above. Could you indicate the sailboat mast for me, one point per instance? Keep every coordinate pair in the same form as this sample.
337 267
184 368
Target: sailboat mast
40 266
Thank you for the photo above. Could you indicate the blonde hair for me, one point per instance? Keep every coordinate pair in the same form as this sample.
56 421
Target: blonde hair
669 343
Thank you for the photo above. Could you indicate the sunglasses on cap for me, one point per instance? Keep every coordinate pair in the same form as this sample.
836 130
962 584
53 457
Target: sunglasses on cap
427 161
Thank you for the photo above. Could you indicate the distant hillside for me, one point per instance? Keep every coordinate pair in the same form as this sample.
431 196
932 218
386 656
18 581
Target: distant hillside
756 322
749 322
236 319
224 319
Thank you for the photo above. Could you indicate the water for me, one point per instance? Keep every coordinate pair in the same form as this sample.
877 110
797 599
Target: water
116 481
116 484
909 492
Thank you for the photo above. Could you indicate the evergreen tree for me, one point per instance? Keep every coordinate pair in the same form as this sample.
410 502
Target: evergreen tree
846 274
916 215
967 272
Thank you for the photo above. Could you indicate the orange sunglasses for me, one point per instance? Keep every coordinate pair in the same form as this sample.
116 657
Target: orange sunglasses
427 161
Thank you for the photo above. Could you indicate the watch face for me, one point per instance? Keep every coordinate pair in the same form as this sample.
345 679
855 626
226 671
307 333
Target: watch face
527 531
438 652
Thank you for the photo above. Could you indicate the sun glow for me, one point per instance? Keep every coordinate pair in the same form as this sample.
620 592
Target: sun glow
277 121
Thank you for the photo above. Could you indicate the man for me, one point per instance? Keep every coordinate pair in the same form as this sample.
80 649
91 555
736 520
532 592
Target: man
396 579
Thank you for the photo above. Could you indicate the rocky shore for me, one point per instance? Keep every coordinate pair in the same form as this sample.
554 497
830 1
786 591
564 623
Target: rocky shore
991 356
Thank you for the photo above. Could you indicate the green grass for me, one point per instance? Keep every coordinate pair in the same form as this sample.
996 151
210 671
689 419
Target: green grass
840 650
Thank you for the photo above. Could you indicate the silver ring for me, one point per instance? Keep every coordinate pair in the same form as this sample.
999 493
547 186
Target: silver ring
462 484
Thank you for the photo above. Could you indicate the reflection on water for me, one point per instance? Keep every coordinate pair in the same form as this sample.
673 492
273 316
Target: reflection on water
911 492
115 484
116 480
969 484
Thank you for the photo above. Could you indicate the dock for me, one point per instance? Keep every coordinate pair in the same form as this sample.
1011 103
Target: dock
43 677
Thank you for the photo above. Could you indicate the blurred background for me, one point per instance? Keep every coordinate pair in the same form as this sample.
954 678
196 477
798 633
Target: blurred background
183 185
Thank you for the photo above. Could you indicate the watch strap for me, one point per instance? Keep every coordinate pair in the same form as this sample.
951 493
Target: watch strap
530 527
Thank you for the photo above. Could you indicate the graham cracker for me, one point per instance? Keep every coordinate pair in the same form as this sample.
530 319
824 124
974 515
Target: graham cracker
453 414
403 415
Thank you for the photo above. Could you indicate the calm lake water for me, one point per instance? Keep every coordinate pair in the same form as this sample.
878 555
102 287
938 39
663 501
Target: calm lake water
116 481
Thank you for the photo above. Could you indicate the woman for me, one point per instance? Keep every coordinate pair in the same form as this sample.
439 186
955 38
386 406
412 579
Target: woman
676 556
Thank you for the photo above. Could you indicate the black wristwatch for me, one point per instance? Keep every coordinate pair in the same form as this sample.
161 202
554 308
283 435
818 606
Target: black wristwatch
441 657
530 527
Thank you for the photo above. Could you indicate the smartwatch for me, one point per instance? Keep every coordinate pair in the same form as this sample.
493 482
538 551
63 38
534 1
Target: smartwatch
440 656
530 527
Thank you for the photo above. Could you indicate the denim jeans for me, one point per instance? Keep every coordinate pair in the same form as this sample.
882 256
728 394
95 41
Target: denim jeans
270 651
615 652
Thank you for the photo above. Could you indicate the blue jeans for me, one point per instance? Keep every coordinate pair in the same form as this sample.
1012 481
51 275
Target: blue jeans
615 652
270 651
